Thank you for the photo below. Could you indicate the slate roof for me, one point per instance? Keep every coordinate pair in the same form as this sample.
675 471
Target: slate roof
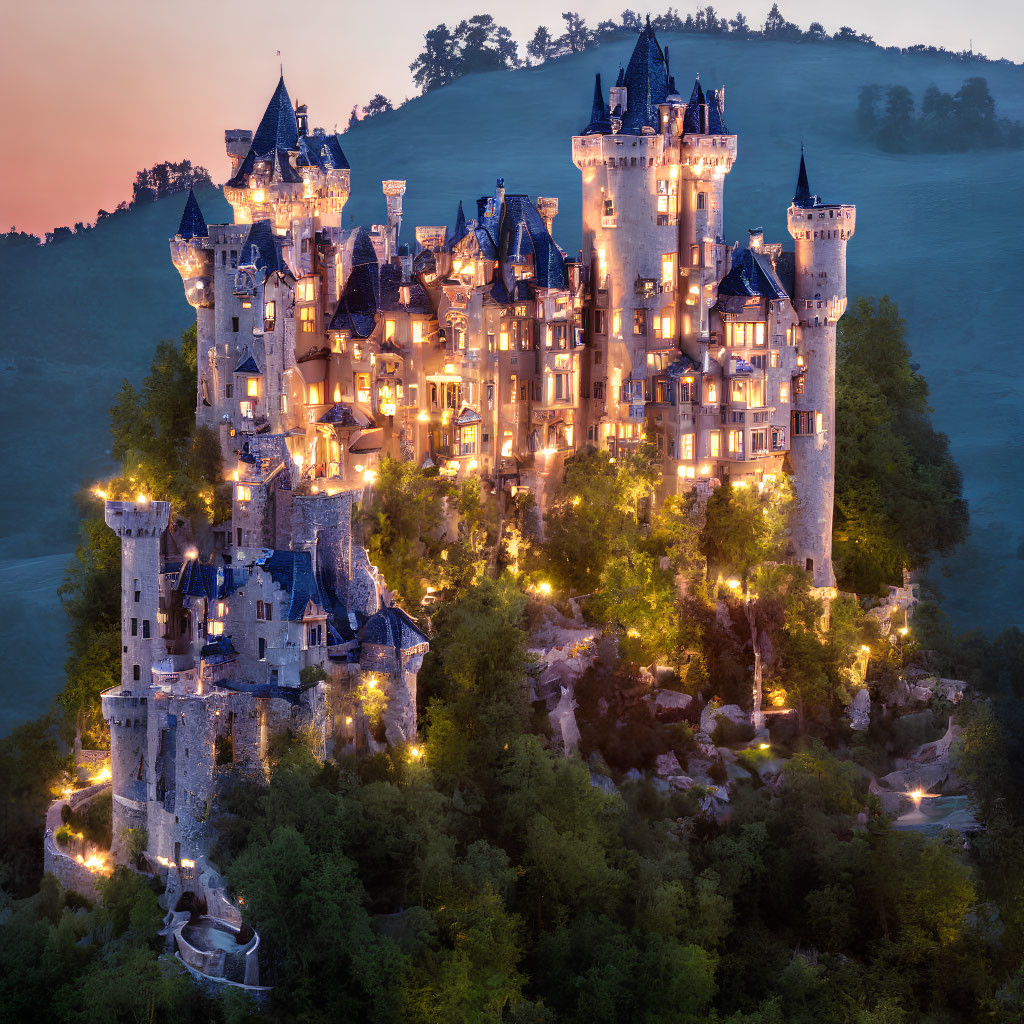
218 651
276 136
683 365
716 112
360 301
261 249
391 627
646 81
522 233
802 196
467 417
342 415
460 231
198 579
752 276
322 150
600 122
193 224
692 118
293 572
248 365
390 294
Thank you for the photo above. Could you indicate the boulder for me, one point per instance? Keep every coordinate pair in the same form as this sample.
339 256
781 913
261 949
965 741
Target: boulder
668 764
710 715
939 749
951 690
602 782
672 700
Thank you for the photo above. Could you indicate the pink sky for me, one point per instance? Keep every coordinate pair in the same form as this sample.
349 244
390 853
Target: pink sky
103 88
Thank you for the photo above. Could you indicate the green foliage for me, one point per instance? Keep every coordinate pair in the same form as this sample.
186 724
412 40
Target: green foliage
899 494
745 526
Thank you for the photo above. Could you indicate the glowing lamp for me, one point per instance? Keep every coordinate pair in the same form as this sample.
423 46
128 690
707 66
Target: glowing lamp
259 195
545 588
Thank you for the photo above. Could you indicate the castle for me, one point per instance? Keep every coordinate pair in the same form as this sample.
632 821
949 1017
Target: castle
485 352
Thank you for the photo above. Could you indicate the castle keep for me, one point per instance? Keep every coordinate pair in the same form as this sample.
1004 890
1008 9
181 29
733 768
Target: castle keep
484 351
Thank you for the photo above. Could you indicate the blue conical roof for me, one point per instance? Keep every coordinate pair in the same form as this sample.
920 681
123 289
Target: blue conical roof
716 112
461 230
193 224
646 84
600 123
692 118
802 197
279 128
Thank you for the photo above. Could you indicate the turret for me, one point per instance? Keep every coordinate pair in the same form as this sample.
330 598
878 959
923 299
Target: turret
820 231
394 190
192 256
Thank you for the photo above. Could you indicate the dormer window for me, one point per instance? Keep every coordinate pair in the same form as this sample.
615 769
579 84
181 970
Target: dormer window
269 315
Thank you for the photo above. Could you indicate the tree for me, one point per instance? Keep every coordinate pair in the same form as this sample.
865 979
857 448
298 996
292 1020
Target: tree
380 104
739 25
438 62
542 46
899 494
576 37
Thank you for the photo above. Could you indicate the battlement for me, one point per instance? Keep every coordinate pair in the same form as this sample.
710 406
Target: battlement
140 518
828 222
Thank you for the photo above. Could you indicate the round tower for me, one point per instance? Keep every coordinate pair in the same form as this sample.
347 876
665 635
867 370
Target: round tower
820 231
139 524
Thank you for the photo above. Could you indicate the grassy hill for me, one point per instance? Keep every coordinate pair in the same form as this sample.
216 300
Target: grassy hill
933 232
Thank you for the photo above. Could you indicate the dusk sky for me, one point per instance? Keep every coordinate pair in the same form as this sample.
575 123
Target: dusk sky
104 88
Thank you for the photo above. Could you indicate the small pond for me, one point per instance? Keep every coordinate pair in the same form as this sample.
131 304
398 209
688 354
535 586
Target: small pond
210 935
937 813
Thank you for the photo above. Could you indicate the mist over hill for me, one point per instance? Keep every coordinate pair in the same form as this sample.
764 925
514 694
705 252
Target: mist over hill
933 232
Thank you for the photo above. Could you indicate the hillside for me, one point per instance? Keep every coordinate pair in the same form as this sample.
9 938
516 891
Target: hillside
90 310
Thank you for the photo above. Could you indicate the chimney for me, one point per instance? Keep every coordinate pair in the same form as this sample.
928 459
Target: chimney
393 190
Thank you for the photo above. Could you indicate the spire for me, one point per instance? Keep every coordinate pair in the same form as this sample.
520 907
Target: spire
646 82
600 124
693 122
621 80
461 230
279 129
193 224
802 197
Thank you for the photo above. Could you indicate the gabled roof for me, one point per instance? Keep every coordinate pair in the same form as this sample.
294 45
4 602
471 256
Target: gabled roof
341 414
321 150
248 365
467 417
293 572
360 301
752 276
600 123
646 82
278 129
193 224
260 248
199 579
391 627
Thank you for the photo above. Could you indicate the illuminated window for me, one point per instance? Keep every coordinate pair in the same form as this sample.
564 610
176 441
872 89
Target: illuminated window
243 492
686 447
773 359
666 324
712 392
252 387
819 422
736 441
759 334
417 331
668 270
307 290
222 609
506 444
503 341
246 409
756 392
617 322
468 441
214 628
639 321
738 391
784 393
389 330
269 316
714 444
316 393
307 317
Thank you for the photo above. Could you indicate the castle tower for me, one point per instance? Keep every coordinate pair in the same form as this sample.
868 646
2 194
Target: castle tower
821 231
139 524
629 228
706 154
393 191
